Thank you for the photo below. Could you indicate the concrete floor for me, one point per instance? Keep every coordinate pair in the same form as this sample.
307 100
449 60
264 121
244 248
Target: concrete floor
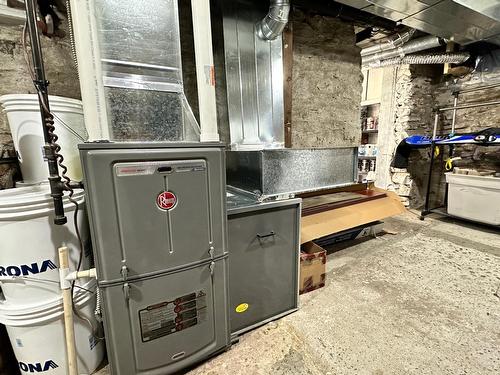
423 300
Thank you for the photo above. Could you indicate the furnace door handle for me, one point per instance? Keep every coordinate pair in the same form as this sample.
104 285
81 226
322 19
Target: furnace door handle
261 236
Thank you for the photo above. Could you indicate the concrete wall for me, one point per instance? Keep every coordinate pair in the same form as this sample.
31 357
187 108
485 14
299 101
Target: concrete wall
327 83
14 79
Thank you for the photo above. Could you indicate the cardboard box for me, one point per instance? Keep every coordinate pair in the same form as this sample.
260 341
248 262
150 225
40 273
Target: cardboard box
362 231
312 267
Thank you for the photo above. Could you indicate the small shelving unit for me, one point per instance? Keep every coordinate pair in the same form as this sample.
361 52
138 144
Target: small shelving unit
367 156
370 108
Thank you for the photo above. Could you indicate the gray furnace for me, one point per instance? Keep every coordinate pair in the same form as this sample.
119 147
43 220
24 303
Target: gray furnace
157 214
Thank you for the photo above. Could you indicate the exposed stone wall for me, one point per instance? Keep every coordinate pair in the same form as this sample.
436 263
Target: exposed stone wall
473 119
14 79
327 83
406 106
407 109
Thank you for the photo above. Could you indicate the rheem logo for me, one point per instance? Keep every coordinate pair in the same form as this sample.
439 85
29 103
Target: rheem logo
166 200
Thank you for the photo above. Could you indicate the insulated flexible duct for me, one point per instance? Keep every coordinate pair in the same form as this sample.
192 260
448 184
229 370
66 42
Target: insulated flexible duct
275 21
416 45
432 58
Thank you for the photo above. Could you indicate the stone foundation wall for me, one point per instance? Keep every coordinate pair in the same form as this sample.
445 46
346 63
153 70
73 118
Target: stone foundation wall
416 91
327 83
406 109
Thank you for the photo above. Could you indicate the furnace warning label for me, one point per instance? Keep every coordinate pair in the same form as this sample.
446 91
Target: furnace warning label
169 317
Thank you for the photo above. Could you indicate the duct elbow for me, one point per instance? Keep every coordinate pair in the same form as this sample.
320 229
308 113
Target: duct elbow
274 22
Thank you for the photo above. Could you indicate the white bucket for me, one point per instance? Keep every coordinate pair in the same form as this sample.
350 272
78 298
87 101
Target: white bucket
29 243
37 335
23 114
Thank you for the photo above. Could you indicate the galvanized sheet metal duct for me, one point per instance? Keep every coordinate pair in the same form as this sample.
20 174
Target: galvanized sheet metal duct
417 45
251 92
432 58
275 21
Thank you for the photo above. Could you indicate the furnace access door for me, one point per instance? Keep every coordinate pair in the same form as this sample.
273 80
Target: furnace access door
154 209
158 224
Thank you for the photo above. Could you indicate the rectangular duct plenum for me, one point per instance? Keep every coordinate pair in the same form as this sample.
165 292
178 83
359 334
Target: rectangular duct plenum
249 76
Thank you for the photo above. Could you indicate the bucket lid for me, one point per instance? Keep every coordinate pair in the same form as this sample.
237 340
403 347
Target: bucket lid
14 313
32 200
33 98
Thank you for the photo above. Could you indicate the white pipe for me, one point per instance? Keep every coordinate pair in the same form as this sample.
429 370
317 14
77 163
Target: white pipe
89 69
205 72
91 273
69 328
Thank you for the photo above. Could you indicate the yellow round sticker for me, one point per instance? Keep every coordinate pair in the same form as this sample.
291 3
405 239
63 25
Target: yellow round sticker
242 307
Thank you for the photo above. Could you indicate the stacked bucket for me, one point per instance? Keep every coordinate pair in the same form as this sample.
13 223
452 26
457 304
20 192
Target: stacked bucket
30 297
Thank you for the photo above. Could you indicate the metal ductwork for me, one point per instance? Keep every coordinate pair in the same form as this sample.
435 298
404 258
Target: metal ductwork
275 21
393 43
417 45
431 58
463 21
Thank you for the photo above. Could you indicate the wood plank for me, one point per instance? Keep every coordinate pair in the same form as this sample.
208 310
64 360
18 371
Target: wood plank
314 205
353 187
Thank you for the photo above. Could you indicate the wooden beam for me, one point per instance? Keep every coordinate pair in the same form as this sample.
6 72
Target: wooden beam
450 47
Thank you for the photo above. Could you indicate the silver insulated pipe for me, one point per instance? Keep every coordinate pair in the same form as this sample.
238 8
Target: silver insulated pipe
431 58
273 24
416 45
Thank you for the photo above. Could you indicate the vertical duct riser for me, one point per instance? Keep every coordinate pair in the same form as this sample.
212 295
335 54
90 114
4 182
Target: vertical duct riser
131 77
253 78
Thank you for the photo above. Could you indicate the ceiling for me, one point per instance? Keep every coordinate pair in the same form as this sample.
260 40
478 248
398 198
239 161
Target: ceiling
463 21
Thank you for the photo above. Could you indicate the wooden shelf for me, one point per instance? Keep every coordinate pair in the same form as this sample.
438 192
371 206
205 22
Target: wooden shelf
372 131
11 16
366 157
366 103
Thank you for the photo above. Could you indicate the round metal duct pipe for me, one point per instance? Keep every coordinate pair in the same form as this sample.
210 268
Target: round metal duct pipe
392 44
275 21
431 58
416 45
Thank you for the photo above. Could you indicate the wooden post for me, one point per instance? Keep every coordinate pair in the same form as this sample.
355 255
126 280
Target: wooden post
69 328
450 47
